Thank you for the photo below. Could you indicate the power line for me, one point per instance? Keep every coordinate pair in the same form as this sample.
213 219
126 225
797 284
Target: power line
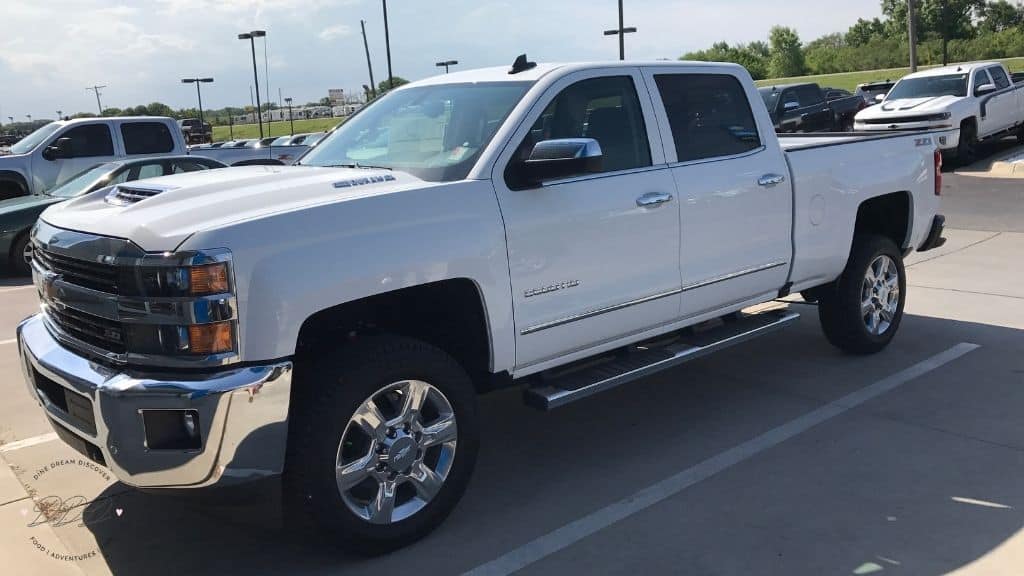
96 89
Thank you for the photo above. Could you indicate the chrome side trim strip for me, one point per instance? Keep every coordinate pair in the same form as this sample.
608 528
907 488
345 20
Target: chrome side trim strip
597 312
732 275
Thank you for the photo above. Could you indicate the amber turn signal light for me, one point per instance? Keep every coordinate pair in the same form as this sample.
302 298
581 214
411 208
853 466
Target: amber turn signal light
208 279
211 338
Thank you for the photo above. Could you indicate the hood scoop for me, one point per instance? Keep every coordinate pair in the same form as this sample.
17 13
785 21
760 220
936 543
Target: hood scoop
125 195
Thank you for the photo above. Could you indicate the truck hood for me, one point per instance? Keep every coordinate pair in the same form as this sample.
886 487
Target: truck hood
184 204
909 106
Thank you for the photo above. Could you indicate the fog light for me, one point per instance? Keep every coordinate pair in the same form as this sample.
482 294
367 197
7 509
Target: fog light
211 338
172 429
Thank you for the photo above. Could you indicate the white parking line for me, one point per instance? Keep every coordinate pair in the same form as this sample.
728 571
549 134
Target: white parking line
575 531
16 288
11 341
28 442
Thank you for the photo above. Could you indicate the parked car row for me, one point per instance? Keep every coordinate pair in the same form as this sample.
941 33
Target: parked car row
810 108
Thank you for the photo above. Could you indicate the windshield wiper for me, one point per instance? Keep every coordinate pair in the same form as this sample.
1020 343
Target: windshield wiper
358 165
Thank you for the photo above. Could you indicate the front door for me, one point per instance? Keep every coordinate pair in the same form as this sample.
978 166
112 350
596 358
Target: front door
733 188
91 144
595 257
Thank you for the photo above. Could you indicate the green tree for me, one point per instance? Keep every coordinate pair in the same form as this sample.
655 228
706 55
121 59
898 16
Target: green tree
383 87
999 15
945 20
112 112
787 57
864 30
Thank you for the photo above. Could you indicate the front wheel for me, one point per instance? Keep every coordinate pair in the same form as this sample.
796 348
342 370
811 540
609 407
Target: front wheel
21 256
967 149
863 310
382 443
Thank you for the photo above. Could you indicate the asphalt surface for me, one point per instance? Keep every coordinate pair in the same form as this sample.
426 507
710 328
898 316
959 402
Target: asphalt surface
780 456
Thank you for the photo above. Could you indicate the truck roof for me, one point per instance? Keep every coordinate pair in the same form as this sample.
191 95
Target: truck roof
74 121
501 73
951 69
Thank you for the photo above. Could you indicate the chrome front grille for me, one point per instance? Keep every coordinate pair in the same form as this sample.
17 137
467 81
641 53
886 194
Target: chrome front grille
92 275
100 332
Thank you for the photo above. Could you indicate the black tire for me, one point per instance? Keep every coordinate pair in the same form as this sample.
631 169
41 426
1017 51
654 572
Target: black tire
330 390
847 125
967 149
840 309
19 266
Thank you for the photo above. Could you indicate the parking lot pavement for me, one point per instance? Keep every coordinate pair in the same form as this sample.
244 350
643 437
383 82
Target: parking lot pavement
781 456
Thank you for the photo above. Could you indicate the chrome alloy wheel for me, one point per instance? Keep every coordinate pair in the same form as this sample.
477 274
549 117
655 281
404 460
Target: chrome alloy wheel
396 451
880 295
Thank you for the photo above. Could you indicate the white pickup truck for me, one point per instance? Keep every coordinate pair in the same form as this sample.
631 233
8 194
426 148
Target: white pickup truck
561 228
60 150
969 102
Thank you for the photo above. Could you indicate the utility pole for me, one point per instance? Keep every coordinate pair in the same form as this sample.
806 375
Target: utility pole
251 37
621 31
912 33
96 89
369 66
387 45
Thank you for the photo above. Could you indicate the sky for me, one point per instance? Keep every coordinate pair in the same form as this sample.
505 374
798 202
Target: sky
51 50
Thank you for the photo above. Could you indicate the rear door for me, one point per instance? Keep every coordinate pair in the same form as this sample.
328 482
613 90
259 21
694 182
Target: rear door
146 138
815 113
593 258
732 180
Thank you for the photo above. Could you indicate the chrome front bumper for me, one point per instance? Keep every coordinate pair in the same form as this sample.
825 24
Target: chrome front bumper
242 414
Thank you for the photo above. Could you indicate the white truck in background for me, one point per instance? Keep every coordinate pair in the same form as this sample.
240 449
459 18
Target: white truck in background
561 228
60 150
969 102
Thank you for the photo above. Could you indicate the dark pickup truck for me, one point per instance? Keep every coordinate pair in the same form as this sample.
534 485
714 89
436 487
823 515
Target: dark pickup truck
807 108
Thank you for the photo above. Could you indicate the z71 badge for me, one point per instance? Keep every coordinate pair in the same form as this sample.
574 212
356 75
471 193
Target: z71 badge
922 141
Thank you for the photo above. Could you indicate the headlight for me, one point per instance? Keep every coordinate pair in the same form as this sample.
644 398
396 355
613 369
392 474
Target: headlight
941 116
177 281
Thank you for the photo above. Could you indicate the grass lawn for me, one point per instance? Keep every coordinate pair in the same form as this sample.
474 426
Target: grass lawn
849 80
243 131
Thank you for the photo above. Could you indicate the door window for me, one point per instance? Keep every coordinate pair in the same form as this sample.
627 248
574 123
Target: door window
146 138
808 95
90 140
709 115
182 166
606 109
980 79
999 77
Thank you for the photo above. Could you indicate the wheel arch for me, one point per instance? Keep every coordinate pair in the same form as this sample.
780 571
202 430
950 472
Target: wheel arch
450 314
16 178
890 215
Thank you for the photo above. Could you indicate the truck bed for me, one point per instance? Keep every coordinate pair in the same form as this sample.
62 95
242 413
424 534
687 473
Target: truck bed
807 140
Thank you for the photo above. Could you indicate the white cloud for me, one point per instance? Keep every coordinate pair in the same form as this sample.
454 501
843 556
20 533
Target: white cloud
334 32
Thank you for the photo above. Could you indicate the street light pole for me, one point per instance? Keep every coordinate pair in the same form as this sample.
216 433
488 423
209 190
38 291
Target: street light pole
621 31
387 44
291 120
199 95
251 37
446 64
369 66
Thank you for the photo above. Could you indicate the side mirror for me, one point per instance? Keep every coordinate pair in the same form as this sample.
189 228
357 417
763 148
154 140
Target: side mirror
791 105
879 97
563 158
984 89
61 148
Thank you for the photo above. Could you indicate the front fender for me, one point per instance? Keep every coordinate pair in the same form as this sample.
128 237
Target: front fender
292 265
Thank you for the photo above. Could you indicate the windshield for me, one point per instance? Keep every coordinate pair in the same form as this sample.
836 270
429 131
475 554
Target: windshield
28 143
930 87
771 97
83 181
433 132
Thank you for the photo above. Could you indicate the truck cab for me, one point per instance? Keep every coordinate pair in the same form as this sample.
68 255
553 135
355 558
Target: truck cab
59 150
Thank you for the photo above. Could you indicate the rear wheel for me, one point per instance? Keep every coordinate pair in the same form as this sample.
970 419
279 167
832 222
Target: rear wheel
383 444
21 256
862 312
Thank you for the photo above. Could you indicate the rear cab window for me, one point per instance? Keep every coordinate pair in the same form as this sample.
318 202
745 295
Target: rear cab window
999 77
709 115
146 138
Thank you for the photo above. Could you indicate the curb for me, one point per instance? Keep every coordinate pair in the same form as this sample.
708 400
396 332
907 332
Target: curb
1009 164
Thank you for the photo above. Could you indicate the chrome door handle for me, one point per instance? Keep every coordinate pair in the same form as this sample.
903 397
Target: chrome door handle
769 180
652 199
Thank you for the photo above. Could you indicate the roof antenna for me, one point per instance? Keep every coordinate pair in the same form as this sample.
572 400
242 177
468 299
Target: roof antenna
521 65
